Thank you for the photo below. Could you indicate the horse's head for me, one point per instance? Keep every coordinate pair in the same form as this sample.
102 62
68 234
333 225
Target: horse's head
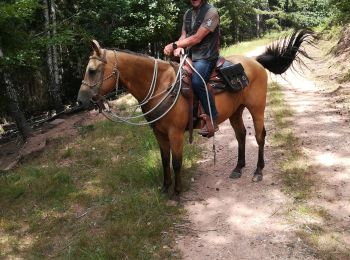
99 78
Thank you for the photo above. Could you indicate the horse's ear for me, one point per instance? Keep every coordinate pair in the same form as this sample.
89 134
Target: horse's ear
96 47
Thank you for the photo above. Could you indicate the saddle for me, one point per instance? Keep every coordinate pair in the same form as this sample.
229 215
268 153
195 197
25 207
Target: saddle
226 76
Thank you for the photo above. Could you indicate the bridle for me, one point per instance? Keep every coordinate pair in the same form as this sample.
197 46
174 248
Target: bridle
115 73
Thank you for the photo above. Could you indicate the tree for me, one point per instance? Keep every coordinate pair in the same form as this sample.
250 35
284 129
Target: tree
239 19
55 79
13 105
342 14
15 54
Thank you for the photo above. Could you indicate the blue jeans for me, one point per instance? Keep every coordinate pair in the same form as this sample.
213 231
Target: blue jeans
204 67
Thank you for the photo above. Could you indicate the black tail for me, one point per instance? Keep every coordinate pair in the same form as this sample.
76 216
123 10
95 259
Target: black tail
279 56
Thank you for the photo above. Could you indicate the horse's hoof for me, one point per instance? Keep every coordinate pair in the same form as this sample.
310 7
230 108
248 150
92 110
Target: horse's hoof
257 177
235 175
176 197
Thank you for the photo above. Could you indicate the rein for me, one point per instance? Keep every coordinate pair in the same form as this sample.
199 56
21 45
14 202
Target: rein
171 89
108 113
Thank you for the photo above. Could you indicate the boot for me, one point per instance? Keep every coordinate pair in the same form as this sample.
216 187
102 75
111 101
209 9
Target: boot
205 131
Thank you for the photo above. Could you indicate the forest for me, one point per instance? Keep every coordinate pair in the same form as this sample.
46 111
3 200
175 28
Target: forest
45 44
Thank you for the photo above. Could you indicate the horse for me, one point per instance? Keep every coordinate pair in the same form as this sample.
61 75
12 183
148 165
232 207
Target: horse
109 67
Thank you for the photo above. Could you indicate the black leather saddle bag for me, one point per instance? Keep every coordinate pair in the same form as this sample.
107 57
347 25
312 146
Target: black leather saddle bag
234 76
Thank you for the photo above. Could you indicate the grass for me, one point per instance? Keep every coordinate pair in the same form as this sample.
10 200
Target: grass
294 167
243 47
314 222
93 197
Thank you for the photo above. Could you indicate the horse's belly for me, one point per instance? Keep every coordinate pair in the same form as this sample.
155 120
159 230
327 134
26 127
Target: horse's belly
227 103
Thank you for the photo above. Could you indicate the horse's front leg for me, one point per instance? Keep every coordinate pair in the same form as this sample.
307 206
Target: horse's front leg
164 146
176 146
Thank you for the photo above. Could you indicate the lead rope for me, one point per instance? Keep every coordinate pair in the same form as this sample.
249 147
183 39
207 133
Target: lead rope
210 114
151 89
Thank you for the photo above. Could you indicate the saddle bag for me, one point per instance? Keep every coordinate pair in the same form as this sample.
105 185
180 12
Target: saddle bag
234 76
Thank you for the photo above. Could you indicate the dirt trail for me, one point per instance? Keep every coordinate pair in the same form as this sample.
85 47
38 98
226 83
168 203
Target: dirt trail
238 219
325 132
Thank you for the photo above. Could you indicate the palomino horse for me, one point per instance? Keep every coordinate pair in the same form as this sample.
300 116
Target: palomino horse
135 71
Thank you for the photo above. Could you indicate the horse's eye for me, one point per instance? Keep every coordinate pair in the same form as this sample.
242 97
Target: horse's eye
92 71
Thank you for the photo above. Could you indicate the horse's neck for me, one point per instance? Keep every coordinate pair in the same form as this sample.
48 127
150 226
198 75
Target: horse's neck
136 73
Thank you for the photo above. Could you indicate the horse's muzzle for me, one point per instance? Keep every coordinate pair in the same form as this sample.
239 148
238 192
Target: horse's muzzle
84 99
85 96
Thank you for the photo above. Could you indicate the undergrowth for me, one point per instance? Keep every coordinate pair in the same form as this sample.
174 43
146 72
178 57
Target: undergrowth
94 197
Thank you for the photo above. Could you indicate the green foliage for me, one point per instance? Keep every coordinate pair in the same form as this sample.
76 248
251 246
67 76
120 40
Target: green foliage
130 24
297 13
342 12
138 25
238 19
309 13
16 20
273 24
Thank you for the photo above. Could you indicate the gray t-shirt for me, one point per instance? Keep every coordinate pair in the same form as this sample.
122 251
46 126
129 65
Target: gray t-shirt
211 19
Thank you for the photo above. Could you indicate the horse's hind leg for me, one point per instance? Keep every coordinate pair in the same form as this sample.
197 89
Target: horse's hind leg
164 146
260 133
236 121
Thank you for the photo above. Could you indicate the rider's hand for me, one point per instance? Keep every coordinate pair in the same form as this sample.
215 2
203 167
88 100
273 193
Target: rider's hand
178 52
168 50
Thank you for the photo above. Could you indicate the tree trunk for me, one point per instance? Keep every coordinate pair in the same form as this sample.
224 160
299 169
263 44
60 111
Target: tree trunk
286 6
13 105
258 25
14 109
52 56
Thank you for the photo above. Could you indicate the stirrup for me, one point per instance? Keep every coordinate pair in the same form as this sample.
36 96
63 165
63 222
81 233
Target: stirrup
208 130
206 133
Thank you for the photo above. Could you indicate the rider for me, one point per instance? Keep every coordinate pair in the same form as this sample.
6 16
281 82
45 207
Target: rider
201 36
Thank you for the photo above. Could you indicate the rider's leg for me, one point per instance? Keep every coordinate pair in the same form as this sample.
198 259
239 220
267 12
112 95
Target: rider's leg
204 68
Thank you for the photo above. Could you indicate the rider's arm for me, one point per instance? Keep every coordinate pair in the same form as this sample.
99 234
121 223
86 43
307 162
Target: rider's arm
194 39
184 42
209 24
183 35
